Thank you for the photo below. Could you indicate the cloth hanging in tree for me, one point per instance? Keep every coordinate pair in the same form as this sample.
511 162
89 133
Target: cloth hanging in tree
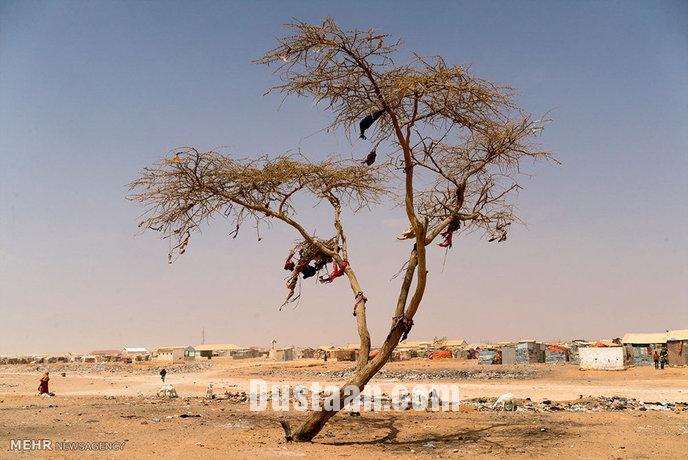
289 264
337 271
307 271
370 159
448 234
368 121
406 324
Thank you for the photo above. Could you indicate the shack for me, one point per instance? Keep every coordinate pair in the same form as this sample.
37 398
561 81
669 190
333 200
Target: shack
489 356
508 354
305 353
677 345
283 354
529 351
603 358
131 354
414 349
555 353
640 346
573 347
106 356
212 350
325 350
345 354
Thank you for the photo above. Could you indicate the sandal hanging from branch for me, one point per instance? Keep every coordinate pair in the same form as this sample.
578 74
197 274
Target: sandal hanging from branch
368 121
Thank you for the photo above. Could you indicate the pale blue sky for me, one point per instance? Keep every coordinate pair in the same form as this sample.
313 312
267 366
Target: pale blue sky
90 92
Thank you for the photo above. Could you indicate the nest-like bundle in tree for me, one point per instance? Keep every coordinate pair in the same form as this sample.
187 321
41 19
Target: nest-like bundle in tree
310 261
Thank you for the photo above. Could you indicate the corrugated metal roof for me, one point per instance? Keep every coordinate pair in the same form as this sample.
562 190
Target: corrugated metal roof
642 338
678 334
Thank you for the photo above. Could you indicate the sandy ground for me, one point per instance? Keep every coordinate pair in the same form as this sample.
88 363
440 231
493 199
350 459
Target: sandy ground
120 406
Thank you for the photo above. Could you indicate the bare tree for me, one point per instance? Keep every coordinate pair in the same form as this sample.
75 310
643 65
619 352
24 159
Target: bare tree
463 136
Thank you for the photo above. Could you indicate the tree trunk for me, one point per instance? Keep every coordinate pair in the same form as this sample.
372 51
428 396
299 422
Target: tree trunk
315 423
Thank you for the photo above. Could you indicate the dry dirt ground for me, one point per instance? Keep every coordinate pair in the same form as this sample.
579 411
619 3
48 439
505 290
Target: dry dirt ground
119 404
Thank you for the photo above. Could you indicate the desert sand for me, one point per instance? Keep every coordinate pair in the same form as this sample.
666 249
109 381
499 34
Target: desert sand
119 403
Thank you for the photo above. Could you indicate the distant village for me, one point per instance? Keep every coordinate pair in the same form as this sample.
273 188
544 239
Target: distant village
633 349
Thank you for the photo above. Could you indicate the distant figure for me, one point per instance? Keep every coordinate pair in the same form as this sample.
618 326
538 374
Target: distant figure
163 373
209 392
663 357
655 358
43 386
325 357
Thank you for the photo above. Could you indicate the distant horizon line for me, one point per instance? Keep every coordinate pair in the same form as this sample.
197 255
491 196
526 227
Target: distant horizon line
431 341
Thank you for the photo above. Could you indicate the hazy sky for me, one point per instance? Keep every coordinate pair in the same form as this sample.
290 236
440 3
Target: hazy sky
91 92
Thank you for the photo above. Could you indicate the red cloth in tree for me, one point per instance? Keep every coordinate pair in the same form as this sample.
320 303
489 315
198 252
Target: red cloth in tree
337 271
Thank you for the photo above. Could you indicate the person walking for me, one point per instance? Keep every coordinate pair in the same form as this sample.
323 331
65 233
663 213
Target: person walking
655 358
163 373
43 386
663 357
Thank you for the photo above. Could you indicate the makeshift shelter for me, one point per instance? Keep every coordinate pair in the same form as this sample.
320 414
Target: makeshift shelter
325 350
529 351
640 346
556 354
489 356
283 354
603 358
344 354
305 353
573 347
211 350
401 355
246 353
460 353
441 354
135 354
418 348
677 345
508 354
107 355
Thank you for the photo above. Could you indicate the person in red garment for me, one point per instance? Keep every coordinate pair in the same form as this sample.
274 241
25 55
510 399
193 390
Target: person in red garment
43 387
